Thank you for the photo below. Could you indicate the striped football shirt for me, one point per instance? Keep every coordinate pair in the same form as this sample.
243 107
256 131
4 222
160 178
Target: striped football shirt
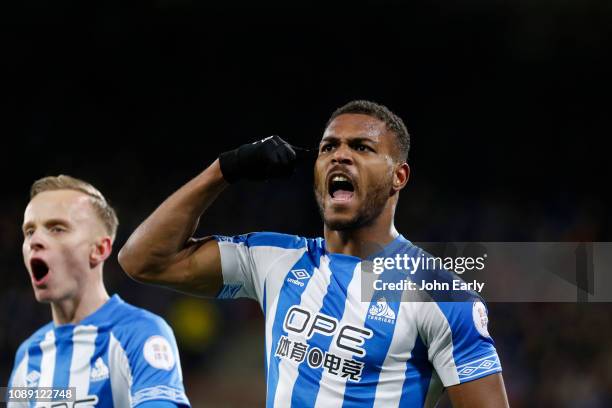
119 356
327 346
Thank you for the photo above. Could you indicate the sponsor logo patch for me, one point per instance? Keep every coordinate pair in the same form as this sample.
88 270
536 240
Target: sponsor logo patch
381 311
481 320
158 353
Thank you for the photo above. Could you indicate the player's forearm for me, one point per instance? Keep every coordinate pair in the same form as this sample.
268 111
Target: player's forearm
167 231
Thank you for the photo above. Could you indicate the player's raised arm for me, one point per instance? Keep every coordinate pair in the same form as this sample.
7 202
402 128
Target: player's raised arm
162 251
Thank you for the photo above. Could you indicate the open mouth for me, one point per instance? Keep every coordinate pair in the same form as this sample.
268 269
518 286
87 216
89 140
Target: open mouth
39 269
341 188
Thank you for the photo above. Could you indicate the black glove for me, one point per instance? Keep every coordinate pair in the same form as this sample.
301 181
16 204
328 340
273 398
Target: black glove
271 157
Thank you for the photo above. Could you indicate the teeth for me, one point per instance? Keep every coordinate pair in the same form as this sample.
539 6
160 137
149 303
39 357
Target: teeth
339 178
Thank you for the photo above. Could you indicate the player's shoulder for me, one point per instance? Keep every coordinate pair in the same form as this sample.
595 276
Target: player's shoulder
22 352
458 303
35 338
133 326
457 300
143 339
438 272
271 239
133 318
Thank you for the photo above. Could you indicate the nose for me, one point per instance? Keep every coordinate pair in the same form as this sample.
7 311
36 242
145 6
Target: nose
342 155
36 241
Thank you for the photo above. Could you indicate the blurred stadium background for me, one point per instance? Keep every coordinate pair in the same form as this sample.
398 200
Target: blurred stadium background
507 103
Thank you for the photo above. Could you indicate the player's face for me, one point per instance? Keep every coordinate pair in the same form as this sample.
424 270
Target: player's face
354 171
60 230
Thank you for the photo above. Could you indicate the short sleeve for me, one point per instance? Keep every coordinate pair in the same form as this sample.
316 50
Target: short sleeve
154 361
459 345
18 375
247 259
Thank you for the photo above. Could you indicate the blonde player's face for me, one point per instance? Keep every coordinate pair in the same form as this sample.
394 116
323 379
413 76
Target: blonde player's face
353 178
60 230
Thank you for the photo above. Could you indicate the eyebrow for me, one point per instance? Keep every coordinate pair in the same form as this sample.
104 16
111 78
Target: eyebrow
351 139
52 221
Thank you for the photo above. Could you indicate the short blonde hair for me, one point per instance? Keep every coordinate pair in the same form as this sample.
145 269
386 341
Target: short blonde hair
102 208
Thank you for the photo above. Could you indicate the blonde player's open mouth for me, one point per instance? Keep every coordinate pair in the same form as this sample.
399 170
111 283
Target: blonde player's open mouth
40 270
341 189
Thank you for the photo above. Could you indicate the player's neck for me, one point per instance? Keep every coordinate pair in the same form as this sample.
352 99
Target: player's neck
363 241
75 309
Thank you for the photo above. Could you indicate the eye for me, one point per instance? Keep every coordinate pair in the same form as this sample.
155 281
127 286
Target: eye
363 148
56 229
28 232
326 148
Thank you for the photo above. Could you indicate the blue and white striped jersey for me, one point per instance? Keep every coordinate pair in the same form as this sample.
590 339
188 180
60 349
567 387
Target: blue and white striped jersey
328 347
119 356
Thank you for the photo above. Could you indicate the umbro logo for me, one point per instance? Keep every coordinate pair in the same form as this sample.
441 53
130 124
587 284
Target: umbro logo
298 276
32 379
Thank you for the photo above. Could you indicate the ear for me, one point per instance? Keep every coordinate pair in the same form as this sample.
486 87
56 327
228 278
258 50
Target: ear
101 250
401 174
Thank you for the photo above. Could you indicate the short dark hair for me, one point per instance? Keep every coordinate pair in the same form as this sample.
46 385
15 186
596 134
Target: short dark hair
393 122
